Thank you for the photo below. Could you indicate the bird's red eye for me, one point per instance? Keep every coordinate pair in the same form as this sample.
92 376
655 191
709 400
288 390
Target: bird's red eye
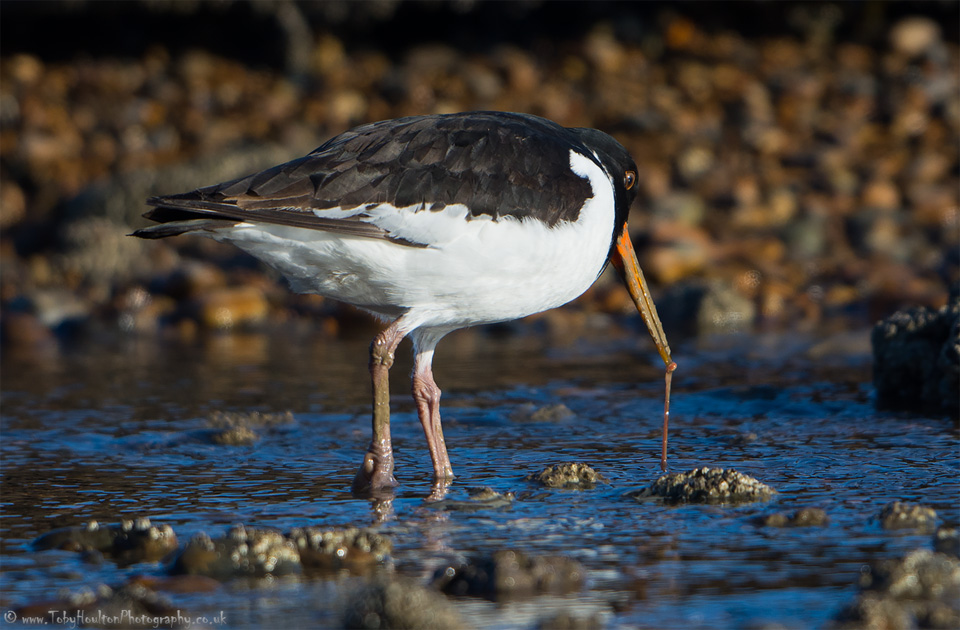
629 179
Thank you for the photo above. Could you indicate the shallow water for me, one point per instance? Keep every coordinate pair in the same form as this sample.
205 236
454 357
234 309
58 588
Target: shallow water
113 429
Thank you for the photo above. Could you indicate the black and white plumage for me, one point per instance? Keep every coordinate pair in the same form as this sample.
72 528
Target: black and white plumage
434 223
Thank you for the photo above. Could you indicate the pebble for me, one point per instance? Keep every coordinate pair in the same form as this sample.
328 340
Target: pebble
804 517
480 499
568 475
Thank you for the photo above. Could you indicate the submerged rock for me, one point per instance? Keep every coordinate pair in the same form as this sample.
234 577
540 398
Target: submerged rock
400 604
480 499
804 517
706 485
547 413
509 573
236 428
569 475
126 542
340 548
238 436
899 515
242 552
916 359
920 590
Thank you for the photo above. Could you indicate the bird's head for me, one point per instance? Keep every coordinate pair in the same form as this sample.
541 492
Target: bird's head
622 170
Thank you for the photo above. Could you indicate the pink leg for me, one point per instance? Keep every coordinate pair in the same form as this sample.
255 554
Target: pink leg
426 393
376 471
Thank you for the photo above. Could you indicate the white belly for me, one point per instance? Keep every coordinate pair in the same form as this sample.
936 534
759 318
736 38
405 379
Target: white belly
475 271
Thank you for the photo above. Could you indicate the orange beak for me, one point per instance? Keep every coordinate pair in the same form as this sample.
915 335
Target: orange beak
624 258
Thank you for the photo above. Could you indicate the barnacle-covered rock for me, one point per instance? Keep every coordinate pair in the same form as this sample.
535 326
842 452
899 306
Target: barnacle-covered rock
569 475
242 552
337 548
706 485
129 541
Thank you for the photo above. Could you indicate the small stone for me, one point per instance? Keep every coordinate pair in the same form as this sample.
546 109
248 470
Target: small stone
899 515
804 517
570 475
947 540
706 485
480 499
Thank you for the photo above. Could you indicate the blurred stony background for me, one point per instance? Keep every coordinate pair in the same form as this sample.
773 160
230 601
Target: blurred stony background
798 161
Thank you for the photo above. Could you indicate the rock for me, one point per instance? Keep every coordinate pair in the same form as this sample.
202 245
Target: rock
916 359
127 542
400 604
508 573
236 428
920 590
898 515
480 499
340 548
947 540
698 308
250 420
569 475
237 436
242 552
706 485
805 517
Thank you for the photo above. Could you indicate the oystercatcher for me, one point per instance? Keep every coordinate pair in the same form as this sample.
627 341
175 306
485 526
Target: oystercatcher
434 223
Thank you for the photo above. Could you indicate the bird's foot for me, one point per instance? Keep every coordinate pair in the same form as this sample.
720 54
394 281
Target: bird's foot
376 471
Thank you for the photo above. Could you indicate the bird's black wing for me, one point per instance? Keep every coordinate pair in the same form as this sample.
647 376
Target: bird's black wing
495 164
